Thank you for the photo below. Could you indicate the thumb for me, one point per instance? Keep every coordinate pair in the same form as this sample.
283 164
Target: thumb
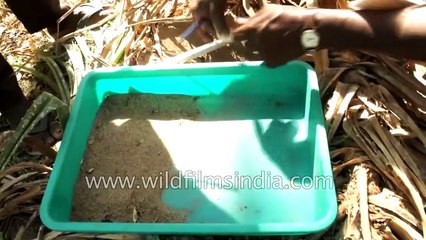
218 20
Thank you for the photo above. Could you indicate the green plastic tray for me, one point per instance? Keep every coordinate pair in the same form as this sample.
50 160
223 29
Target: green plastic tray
259 119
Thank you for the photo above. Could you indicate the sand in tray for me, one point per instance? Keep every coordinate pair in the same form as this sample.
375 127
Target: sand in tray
122 144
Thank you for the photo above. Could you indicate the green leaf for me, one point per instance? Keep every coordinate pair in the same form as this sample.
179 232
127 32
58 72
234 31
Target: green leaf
78 65
46 79
59 77
120 50
43 105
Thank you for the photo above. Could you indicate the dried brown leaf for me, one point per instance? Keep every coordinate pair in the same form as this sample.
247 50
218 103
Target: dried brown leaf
366 96
338 106
347 152
25 165
350 229
402 229
393 105
400 72
352 128
29 194
402 157
399 167
398 86
419 159
361 175
6 212
22 230
16 180
352 162
321 60
328 78
393 203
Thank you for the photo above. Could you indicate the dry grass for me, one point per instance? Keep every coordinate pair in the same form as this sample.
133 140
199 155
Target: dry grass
374 109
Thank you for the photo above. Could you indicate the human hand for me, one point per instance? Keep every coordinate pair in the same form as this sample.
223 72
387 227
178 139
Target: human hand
275 33
211 15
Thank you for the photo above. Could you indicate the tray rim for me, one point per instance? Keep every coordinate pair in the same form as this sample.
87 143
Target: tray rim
181 228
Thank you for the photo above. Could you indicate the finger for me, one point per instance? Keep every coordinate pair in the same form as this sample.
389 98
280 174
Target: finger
244 36
234 23
219 21
244 32
220 25
200 10
205 32
244 26
247 24
205 37
206 26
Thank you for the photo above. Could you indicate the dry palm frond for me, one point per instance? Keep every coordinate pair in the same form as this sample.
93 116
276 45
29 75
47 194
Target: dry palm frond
383 114
20 194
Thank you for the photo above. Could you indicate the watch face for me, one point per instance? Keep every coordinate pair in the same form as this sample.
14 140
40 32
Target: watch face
310 39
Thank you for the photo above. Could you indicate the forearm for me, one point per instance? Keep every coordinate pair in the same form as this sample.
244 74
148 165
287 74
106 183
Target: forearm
401 33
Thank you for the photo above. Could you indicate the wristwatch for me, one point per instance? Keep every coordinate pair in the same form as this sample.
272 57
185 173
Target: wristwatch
310 38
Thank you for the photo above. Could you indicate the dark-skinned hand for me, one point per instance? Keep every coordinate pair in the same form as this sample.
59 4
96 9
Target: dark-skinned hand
274 32
210 13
